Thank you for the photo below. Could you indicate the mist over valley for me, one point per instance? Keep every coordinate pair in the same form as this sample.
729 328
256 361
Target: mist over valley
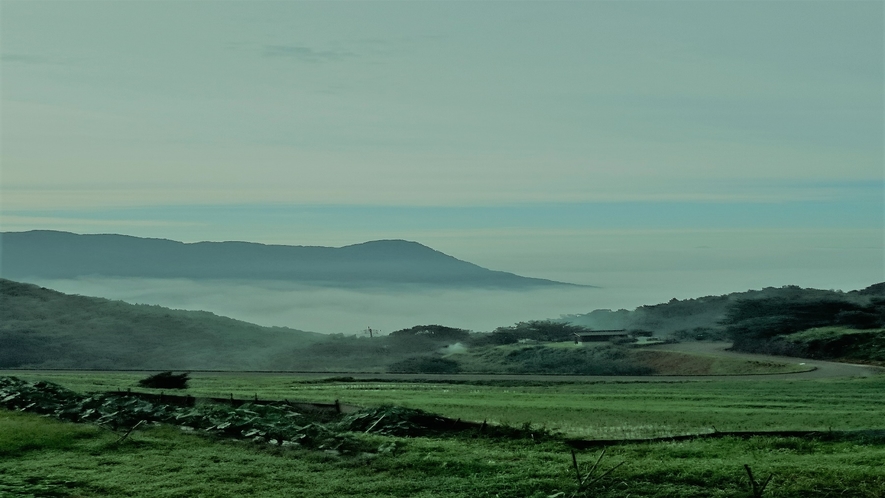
44 328
386 285
336 310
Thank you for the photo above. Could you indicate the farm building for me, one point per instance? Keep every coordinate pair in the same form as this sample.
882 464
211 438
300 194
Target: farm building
600 335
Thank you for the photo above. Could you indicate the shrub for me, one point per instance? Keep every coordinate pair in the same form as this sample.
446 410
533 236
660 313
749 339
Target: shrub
437 333
603 360
536 330
165 380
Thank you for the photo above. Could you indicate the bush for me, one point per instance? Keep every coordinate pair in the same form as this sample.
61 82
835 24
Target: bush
438 333
165 380
535 330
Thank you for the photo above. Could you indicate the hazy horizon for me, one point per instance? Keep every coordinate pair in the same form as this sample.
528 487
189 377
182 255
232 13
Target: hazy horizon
655 149
328 309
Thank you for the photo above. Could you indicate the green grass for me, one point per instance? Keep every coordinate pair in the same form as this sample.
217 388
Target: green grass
582 409
42 457
570 358
22 433
679 363
163 462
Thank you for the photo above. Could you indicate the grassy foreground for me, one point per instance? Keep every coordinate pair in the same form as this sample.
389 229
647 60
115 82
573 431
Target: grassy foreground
43 457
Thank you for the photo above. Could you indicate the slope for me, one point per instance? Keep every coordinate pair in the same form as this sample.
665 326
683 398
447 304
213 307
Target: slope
43 328
704 317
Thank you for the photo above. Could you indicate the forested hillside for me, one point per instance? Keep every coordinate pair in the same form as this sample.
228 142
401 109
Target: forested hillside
43 328
704 317
836 326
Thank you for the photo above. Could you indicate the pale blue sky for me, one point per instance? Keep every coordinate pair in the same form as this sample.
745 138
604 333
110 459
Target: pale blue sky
524 136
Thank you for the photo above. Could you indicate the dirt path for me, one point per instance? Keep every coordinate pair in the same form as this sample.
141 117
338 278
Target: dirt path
822 369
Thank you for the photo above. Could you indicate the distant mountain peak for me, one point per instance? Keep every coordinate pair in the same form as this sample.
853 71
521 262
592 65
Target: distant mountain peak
51 254
390 244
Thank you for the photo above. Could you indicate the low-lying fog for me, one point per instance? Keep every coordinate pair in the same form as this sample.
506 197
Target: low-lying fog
349 311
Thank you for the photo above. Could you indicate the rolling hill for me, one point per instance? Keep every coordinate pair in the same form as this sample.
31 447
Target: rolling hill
52 254
42 328
705 316
789 321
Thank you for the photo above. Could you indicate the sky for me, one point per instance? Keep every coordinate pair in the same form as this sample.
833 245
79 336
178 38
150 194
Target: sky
709 147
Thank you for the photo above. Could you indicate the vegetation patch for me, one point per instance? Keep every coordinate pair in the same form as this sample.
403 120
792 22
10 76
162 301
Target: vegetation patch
678 363
21 434
534 330
165 380
277 423
602 359
819 327
843 343
42 328
161 462
710 317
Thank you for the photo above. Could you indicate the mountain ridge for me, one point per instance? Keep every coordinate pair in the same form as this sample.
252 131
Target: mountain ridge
56 254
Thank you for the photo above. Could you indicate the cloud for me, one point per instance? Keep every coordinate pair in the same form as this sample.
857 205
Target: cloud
305 54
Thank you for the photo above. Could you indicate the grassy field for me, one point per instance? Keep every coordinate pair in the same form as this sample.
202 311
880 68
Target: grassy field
42 457
676 363
582 409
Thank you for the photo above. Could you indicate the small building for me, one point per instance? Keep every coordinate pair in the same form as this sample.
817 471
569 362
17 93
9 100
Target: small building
600 335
